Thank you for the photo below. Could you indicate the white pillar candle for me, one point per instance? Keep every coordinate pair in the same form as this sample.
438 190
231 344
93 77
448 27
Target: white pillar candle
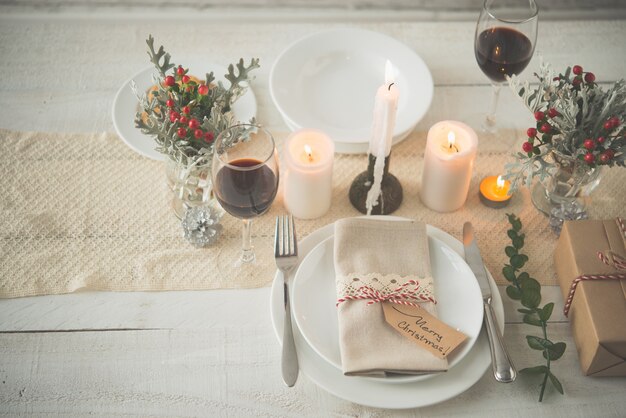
385 109
308 156
384 122
448 163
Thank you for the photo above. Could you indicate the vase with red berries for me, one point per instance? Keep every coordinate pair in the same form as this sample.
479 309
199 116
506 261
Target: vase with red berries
184 114
579 131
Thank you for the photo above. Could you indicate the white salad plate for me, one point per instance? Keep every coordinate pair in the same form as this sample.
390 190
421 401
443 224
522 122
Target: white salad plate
375 392
126 105
328 81
459 301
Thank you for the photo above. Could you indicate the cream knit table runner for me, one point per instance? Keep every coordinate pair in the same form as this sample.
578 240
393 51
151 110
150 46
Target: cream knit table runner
83 211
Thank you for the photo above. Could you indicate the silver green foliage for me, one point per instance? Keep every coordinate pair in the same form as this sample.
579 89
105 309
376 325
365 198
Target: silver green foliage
582 113
213 111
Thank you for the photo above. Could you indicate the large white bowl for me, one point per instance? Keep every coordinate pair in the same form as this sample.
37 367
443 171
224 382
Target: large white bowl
328 81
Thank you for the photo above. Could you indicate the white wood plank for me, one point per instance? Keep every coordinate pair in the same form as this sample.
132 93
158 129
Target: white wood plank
351 4
136 310
320 10
170 310
234 371
95 54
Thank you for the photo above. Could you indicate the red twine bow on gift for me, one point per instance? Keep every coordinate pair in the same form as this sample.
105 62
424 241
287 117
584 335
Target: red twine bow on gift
401 295
609 258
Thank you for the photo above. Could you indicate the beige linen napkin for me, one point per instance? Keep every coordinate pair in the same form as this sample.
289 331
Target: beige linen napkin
394 250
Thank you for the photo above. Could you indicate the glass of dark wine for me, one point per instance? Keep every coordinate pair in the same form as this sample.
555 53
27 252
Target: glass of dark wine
504 43
245 177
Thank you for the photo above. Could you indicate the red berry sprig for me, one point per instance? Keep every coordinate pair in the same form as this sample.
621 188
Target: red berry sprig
193 124
581 76
543 126
203 90
589 158
169 81
180 84
611 123
603 142
598 150
527 147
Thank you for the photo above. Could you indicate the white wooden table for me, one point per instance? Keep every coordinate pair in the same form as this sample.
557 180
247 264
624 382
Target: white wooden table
214 353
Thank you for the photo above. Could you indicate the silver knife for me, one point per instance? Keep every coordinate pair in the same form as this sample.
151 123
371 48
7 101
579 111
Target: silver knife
503 369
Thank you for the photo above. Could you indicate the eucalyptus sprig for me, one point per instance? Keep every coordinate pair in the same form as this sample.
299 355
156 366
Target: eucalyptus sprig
527 291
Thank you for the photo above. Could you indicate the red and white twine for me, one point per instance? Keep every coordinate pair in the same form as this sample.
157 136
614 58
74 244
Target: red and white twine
611 259
572 289
401 295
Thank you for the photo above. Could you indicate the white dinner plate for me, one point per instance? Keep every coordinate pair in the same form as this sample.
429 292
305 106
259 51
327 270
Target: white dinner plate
370 392
328 81
459 301
125 105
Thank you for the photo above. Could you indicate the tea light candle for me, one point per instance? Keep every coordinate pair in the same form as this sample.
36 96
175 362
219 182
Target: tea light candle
448 163
494 192
308 156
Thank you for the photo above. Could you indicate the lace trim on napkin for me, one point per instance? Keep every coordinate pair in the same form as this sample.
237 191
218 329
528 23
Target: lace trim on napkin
377 287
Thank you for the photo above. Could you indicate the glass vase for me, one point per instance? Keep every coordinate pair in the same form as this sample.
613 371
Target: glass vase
569 183
190 185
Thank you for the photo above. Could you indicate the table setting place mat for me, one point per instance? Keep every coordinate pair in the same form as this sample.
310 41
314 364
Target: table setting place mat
82 211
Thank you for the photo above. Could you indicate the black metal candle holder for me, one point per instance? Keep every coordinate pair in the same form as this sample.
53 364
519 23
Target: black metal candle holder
390 196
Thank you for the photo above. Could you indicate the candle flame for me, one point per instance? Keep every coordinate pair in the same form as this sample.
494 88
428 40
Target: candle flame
451 139
309 152
500 182
389 73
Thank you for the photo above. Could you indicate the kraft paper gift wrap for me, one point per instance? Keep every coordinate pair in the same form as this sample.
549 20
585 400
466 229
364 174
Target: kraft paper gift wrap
598 308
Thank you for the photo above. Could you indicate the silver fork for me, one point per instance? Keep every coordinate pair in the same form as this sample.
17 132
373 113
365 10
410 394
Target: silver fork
286 255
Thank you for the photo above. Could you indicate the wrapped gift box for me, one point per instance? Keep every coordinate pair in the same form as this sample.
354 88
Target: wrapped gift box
589 254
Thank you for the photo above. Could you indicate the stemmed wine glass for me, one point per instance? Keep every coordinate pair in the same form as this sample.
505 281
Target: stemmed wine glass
504 43
245 177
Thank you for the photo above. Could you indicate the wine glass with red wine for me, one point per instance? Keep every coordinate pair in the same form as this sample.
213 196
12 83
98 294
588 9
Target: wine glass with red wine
504 43
245 177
